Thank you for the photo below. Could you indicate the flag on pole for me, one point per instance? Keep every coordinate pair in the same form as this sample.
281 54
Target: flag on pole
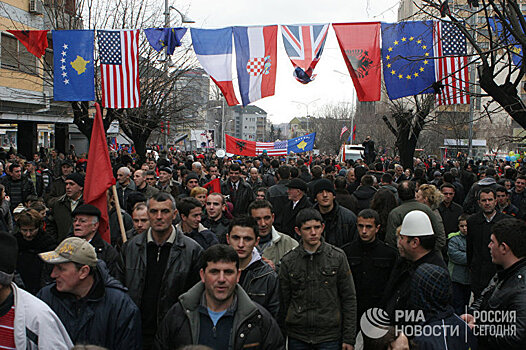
119 65
256 61
360 47
213 186
99 174
304 46
451 67
74 71
344 129
302 144
352 136
159 38
278 148
213 48
35 41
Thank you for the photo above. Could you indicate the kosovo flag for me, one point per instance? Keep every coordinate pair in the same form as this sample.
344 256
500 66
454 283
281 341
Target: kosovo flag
159 38
301 144
74 73
407 57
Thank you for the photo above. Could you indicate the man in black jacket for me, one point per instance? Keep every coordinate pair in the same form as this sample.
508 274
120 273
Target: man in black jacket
506 292
17 187
257 278
215 219
92 305
297 200
240 192
217 312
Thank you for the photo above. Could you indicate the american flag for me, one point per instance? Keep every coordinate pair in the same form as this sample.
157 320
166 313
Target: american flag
119 58
451 68
344 129
278 148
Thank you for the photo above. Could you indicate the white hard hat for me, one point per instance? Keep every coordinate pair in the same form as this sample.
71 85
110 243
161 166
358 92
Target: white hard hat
416 223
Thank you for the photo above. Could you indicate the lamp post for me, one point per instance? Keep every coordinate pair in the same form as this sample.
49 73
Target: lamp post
307 109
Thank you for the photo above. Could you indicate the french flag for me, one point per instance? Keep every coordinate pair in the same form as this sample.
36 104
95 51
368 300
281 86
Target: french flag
213 48
256 61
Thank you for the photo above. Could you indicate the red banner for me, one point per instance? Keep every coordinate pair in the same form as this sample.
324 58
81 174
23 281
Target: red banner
35 41
213 186
240 147
360 46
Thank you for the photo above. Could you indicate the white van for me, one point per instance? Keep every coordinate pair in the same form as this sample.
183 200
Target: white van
353 152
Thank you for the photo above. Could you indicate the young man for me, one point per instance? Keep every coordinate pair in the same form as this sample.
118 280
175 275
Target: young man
217 312
273 245
458 265
141 223
318 300
190 211
504 204
371 261
240 192
258 279
215 219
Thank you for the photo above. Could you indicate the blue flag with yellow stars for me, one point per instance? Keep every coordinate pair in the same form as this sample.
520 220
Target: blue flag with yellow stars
407 51
159 38
505 38
73 68
301 144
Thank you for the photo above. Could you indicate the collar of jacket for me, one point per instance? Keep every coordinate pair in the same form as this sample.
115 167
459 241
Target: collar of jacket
64 198
178 238
510 271
200 228
320 249
276 237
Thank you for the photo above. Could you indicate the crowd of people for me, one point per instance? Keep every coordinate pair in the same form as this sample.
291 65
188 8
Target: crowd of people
291 252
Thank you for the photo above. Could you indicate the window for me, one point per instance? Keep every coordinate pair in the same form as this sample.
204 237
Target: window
14 55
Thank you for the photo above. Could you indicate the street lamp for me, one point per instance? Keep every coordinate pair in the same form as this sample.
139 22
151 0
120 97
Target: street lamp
185 20
307 108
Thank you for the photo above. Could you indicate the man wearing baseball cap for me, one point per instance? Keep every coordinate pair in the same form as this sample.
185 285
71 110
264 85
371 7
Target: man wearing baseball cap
416 243
92 305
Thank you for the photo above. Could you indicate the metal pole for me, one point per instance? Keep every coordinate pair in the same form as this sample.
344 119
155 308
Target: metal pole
471 91
223 126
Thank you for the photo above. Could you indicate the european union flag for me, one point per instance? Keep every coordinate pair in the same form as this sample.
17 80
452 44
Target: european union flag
159 38
407 56
506 39
301 144
74 74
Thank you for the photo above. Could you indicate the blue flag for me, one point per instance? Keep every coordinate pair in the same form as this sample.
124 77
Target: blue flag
505 38
74 74
159 38
301 144
407 58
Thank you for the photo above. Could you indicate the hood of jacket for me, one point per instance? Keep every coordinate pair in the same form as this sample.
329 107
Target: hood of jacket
364 192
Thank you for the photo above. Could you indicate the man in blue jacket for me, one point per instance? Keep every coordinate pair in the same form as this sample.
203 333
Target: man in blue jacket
92 305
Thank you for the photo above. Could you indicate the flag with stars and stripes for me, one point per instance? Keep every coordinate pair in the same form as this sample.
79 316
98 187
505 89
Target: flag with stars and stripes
278 148
451 66
74 71
119 62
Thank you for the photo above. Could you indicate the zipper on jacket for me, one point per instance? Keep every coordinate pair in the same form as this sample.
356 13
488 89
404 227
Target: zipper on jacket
158 252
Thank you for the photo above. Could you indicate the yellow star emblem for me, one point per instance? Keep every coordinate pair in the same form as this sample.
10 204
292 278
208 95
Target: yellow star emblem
408 77
393 72
390 49
404 39
416 74
411 38
400 76
388 65
387 57
426 54
424 47
419 41
426 62
396 42
421 69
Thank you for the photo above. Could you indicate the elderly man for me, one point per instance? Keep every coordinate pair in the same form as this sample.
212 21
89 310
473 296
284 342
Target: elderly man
94 307
297 200
86 225
60 219
139 177
160 265
254 179
166 183
125 185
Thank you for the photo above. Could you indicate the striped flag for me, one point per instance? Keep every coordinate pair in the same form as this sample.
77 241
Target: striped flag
278 148
344 129
451 68
119 62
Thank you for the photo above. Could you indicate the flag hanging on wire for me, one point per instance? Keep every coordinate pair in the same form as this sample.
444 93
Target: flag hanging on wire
451 67
304 46
35 41
344 129
119 64
278 148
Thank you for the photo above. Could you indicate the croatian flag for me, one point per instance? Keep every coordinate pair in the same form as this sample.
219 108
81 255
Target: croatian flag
213 48
278 148
256 60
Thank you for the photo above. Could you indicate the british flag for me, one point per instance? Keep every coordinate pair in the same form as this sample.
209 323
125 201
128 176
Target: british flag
304 45
278 148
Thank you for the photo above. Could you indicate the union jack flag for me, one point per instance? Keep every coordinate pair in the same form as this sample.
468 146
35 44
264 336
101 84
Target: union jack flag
278 148
304 45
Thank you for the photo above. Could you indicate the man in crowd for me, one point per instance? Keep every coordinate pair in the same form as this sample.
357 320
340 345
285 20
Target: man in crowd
17 187
35 177
60 218
318 300
197 168
257 278
416 246
217 312
124 186
273 245
371 261
297 200
57 188
139 177
94 307
215 219
504 204
448 209
277 194
141 223
190 211
160 265
166 183
240 192
518 195
506 292
151 178
26 321
340 228
364 193
254 179
190 182
406 193
478 238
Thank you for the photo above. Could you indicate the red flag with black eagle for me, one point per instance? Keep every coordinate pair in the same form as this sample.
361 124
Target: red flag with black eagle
35 41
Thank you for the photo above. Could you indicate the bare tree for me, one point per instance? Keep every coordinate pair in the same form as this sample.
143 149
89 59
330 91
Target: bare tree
328 123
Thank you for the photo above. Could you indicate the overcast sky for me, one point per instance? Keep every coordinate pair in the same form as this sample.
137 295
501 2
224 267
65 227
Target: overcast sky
333 83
